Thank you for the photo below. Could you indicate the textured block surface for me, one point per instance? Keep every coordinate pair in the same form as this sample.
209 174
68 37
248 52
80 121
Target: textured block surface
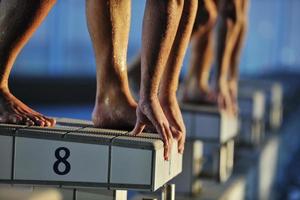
81 156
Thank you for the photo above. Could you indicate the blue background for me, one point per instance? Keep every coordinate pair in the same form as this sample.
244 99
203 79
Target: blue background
62 47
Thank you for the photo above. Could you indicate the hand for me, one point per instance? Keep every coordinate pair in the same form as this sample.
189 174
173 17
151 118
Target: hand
150 111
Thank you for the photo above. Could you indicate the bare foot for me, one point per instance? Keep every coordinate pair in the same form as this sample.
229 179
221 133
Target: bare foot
172 112
116 111
202 95
13 111
150 112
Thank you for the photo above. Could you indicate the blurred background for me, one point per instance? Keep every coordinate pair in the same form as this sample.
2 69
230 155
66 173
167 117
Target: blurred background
61 50
62 47
55 73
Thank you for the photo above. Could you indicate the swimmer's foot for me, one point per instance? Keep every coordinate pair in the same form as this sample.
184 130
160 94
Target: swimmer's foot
13 111
116 110
172 112
196 94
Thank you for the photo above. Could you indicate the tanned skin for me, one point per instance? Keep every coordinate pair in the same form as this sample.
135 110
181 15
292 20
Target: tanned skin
115 107
233 26
167 27
108 24
170 78
236 53
196 84
160 71
18 21
233 15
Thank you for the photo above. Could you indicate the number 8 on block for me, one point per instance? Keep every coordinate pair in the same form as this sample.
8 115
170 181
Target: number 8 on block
62 160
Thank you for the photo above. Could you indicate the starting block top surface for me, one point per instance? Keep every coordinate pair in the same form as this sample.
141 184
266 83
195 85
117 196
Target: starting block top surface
73 153
208 123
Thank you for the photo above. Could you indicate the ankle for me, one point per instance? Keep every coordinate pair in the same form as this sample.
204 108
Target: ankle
203 86
4 88
222 81
113 95
232 81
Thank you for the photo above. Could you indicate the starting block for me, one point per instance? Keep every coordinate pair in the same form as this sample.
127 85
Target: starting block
274 99
209 151
73 154
188 181
252 121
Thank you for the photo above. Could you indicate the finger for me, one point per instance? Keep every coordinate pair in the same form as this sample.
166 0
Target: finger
176 133
162 133
169 136
138 129
180 139
166 150
181 143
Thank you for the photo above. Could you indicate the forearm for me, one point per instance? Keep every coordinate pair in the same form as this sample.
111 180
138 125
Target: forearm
159 29
171 74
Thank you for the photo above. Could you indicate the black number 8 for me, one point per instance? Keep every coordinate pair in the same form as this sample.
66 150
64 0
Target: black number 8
62 160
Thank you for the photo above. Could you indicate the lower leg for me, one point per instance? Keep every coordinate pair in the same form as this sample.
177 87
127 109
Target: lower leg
160 25
228 34
18 21
236 54
169 83
108 23
196 83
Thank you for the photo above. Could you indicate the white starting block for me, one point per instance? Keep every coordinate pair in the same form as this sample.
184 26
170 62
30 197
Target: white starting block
81 156
210 148
209 124
188 181
252 121
274 99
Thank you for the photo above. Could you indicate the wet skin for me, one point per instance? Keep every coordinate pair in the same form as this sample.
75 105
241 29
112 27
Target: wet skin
108 24
18 21
196 87
166 31
164 45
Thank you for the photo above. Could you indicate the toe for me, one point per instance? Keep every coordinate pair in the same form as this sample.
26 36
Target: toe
27 121
38 121
2 119
49 121
14 119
